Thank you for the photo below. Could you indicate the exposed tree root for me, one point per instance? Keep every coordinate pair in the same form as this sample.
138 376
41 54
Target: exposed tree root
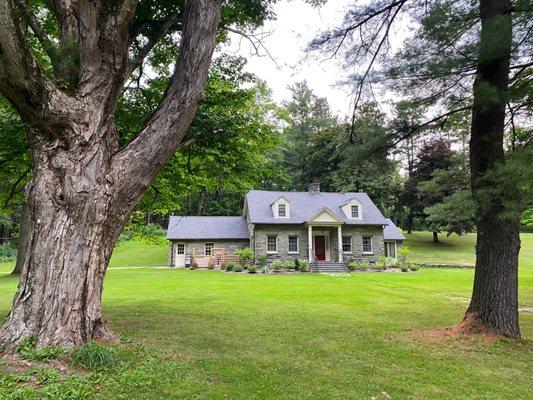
471 325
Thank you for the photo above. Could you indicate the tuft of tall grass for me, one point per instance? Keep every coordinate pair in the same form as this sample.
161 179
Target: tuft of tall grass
95 356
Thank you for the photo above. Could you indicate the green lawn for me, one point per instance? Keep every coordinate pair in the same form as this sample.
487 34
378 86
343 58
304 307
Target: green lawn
213 335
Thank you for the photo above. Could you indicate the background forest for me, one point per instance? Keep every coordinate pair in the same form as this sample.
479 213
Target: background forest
249 142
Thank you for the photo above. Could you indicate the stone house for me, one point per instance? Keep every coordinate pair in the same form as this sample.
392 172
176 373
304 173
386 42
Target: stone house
321 227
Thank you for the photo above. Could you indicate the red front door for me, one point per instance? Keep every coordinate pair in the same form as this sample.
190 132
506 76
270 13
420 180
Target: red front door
320 247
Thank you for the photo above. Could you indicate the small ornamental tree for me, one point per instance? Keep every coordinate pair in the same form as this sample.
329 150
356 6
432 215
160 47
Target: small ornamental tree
245 256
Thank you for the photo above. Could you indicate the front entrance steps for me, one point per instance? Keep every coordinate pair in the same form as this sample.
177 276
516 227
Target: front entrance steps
330 267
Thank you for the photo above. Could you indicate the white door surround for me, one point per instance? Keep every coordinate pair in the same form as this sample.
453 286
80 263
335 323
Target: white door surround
327 242
179 249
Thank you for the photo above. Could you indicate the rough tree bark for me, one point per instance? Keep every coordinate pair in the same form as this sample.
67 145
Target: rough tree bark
435 237
494 304
84 186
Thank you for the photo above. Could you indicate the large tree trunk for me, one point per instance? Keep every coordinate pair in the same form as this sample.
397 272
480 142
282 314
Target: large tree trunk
76 222
494 304
435 237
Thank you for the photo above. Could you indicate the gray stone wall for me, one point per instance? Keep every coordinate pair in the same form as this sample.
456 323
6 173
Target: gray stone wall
357 233
282 232
229 246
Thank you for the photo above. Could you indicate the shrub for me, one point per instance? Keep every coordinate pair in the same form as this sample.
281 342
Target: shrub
245 256
237 268
352 264
288 265
303 265
252 269
230 267
413 267
277 266
28 350
7 253
94 356
211 263
261 260
194 263
363 266
405 269
404 251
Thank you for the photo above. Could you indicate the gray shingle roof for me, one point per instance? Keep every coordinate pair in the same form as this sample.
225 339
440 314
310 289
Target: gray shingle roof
391 232
304 204
185 227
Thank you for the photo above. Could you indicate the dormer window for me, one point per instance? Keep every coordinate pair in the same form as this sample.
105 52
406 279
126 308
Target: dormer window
353 209
281 208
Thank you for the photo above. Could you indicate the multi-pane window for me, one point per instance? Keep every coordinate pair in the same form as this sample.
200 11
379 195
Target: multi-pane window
347 244
390 249
209 248
293 244
282 210
367 244
355 211
272 244
180 248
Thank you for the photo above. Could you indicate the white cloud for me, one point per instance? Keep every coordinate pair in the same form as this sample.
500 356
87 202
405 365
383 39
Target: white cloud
296 25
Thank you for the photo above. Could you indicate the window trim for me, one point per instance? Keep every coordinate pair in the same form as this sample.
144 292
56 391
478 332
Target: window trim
210 250
177 249
284 210
297 251
275 242
351 244
371 245
351 211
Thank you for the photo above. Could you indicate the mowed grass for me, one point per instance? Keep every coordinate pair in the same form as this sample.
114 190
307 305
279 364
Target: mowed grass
457 249
213 335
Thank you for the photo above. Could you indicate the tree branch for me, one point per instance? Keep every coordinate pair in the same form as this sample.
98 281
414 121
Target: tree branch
38 30
12 192
21 80
126 13
189 142
134 63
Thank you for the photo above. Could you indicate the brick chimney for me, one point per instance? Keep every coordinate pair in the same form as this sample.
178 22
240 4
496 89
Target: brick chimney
314 188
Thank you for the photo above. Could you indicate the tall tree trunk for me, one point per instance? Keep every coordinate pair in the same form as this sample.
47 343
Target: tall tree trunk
22 245
494 304
435 237
75 223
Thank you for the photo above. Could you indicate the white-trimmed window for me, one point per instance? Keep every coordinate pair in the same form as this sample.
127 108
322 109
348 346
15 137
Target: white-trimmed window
347 244
355 211
367 244
272 244
282 210
390 249
180 248
209 248
293 244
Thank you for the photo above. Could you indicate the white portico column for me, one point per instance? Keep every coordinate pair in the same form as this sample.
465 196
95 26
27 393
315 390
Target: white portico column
339 238
310 238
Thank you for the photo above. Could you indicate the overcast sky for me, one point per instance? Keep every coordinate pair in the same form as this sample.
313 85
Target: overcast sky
296 24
